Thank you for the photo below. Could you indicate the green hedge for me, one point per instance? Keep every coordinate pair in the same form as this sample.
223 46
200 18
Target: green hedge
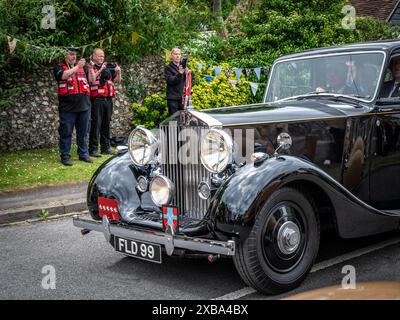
219 92
151 112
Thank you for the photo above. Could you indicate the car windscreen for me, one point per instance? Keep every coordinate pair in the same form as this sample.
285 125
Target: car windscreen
355 75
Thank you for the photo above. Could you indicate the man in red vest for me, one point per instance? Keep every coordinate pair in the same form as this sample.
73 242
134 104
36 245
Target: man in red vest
102 77
74 106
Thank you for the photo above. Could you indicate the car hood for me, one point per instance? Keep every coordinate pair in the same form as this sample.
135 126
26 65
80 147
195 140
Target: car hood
285 111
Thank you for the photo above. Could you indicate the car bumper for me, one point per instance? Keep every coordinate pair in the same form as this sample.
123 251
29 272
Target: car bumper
168 240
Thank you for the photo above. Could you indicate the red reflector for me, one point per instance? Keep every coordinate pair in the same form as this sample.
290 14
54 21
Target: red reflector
109 208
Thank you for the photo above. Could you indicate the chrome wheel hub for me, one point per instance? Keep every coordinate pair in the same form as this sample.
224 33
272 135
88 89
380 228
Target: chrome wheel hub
288 237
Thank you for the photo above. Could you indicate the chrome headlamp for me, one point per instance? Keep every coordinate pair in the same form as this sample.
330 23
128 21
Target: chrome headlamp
161 190
143 146
216 150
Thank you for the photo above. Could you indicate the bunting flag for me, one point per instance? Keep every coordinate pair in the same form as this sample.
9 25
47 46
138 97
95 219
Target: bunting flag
258 72
12 44
217 71
83 50
209 78
238 72
247 72
135 37
200 65
228 72
167 55
254 87
233 83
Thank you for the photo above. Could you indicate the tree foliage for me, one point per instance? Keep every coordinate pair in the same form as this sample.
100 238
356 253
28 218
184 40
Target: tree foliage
271 28
159 24
136 27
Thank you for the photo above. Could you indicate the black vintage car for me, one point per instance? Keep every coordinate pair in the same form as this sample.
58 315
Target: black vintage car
261 182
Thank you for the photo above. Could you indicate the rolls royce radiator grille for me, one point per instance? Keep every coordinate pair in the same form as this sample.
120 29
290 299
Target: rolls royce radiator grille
185 176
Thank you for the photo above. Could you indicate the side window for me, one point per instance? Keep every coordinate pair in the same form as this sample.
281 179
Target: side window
391 79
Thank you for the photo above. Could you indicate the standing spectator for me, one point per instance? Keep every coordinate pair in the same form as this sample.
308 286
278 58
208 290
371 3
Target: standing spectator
175 77
102 77
74 106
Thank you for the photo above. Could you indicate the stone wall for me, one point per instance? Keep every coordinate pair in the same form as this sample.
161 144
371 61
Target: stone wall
31 121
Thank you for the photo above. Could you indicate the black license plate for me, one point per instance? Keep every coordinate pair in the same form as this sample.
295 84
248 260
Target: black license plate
139 249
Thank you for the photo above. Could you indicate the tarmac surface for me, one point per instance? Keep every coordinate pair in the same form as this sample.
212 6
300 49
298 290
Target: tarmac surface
87 267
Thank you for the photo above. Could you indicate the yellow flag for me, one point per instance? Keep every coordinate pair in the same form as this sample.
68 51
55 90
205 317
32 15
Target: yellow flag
167 55
83 50
12 43
135 37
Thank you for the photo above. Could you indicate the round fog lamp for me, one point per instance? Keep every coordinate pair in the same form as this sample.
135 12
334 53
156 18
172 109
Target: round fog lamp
142 184
161 190
204 190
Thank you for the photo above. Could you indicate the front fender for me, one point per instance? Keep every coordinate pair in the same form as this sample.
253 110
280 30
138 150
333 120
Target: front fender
116 179
240 198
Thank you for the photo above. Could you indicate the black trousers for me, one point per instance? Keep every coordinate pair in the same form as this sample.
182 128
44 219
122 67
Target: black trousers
174 106
102 109
69 120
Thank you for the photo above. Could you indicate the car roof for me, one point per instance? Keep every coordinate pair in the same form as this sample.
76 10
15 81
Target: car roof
387 46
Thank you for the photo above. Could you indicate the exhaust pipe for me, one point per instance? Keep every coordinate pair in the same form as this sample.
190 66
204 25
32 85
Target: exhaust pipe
85 231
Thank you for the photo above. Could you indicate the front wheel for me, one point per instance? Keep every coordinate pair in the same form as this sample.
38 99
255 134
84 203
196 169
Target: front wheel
282 245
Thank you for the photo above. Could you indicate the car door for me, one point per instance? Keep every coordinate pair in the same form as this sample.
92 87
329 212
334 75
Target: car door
385 159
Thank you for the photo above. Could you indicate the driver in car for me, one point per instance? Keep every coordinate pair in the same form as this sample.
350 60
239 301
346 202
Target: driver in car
391 89
336 76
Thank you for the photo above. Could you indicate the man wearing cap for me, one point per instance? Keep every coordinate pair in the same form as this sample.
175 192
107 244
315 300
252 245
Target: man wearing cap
102 77
74 106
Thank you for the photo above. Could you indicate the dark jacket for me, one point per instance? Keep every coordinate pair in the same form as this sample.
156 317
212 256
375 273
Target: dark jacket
387 90
175 82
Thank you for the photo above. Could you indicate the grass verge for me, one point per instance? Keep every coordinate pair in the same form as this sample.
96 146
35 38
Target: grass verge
21 170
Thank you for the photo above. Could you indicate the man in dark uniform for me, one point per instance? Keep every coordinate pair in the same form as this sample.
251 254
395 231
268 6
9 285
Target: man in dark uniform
391 88
74 106
102 77
175 77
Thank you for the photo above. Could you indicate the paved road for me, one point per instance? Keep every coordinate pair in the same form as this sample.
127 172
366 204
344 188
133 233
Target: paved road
88 268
